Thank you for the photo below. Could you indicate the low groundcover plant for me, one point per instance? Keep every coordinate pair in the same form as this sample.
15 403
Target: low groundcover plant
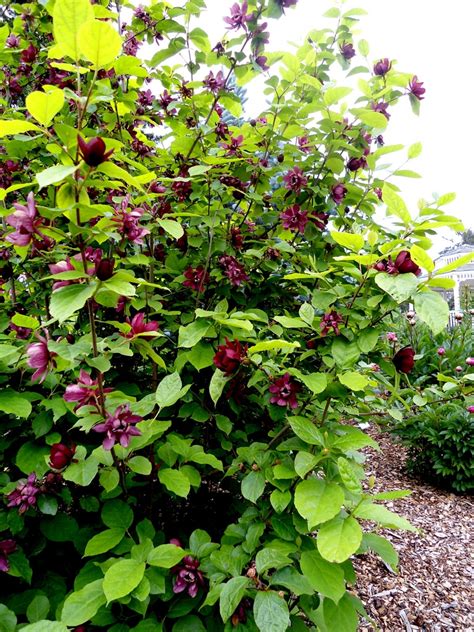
193 316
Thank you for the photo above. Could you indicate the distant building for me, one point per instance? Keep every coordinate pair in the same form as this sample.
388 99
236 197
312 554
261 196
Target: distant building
462 276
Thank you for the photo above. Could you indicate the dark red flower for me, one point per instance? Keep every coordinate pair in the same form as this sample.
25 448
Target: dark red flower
354 164
236 238
330 321
347 50
295 179
402 264
60 455
196 278
382 67
12 41
233 270
338 192
238 16
415 88
284 391
381 108
215 83
119 427
404 360
84 392
6 547
40 358
25 494
188 577
93 152
139 326
105 269
28 55
294 218
230 356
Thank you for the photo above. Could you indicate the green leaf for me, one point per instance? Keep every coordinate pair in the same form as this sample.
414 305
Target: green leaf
270 558
83 604
349 475
31 458
325 577
175 481
274 345
339 538
306 430
433 310
316 382
172 227
270 612
9 128
401 287
344 353
291 579
232 593
367 340
25 321
122 578
45 626
109 479
68 17
99 42
7 619
217 384
140 465
376 120
340 617
253 486
383 547
189 623
116 514
348 240
422 258
353 380
166 556
43 106
170 390
280 500
318 501
114 171
333 95
454 265
304 463
353 439
415 150
53 175
104 541
382 515
395 204
37 609
14 403
192 334
83 472
69 299
306 313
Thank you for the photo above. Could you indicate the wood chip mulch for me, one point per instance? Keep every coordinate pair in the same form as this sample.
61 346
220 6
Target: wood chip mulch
434 588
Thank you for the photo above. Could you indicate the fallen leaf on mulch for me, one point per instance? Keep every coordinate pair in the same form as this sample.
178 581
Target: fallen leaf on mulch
433 590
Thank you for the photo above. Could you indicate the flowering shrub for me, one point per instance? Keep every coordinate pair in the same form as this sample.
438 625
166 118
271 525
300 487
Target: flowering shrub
193 313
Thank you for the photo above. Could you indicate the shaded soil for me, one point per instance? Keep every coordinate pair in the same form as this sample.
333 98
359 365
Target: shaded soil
434 588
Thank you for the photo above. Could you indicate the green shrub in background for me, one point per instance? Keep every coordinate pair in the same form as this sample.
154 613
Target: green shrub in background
440 442
193 309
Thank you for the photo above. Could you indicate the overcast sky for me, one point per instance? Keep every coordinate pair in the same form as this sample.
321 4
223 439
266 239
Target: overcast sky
432 39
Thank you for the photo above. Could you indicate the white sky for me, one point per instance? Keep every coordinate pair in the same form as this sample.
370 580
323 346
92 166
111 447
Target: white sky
432 39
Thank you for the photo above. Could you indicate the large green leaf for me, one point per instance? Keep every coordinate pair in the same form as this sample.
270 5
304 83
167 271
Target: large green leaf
14 403
175 481
53 175
191 334
270 612
231 595
104 541
9 128
395 204
353 380
69 299
401 287
217 384
325 577
122 578
382 515
318 501
45 626
83 472
99 42
116 514
339 538
306 430
340 617
433 310
253 485
68 17
382 547
170 390
165 556
43 106
83 604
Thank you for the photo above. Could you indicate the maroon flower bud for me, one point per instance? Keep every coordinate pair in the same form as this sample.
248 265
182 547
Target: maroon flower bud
12 41
404 360
60 455
6 547
28 56
470 409
105 269
354 164
230 356
470 361
93 152
404 263
329 321
338 192
441 351
382 67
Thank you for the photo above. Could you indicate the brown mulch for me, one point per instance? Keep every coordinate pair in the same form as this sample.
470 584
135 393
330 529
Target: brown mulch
434 588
